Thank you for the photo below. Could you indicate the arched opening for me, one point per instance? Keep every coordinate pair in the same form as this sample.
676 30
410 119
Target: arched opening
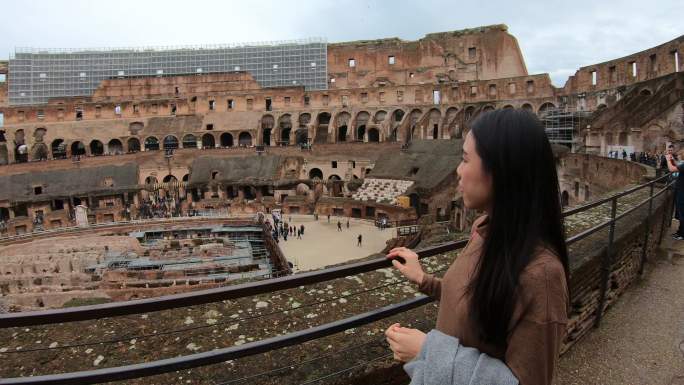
151 180
133 145
342 134
379 117
267 124
361 133
645 92
115 147
285 127
565 198
316 173
245 139
469 113
58 148
373 135
432 129
186 177
507 106
151 144
545 107
397 116
488 108
20 147
395 121
321 135
4 214
170 179
170 142
227 140
622 139
285 136
39 151
302 136
189 141
362 119
527 107
208 141
96 148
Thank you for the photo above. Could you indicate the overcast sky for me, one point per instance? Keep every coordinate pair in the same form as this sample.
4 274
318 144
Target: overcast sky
555 36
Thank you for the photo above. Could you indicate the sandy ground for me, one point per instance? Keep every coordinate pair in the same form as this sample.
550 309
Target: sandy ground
322 245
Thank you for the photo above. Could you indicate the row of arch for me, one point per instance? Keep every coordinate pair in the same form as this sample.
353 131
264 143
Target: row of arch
59 147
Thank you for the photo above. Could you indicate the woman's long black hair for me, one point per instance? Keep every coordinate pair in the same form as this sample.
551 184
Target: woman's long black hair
526 213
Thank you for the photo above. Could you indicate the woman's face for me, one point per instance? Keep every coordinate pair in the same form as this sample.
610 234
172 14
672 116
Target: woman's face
473 182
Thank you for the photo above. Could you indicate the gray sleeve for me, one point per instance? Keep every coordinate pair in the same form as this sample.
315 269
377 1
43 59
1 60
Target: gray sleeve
443 360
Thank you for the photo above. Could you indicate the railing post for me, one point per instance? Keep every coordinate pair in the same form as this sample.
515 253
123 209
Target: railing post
647 231
606 262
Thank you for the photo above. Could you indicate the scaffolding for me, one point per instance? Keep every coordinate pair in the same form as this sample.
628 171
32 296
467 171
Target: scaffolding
36 75
563 125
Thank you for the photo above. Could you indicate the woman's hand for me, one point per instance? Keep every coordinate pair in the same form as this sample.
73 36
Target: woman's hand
404 342
411 268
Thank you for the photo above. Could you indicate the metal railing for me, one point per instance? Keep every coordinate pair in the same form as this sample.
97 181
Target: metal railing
254 288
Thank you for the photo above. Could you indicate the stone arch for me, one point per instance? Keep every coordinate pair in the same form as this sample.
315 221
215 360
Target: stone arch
645 92
151 180
414 117
96 147
245 139
170 179
545 107
433 127
170 142
304 119
342 121
362 119
115 147
450 122
507 106
151 143
226 139
527 107
334 177
186 178
133 145
39 151
469 113
58 147
302 136
379 116
316 173
285 128
267 125
322 124
208 141
189 141
488 108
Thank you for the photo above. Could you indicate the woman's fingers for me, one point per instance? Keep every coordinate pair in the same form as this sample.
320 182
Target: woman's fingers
398 265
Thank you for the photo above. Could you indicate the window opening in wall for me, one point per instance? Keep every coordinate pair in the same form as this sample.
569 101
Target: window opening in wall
250 103
675 55
345 100
390 60
37 190
268 104
173 109
136 109
381 97
176 91
79 114
326 100
411 75
117 109
364 97
594 78
613 74
40 114
212 105
307 99
210 127
352 63
353 163
332 80
287 100
472 52
436 97
634 68
530 86
400 96
511 88
492 90
231 104
652 63
333 164
473 90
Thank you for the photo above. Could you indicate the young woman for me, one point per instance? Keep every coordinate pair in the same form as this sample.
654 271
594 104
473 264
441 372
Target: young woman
506 294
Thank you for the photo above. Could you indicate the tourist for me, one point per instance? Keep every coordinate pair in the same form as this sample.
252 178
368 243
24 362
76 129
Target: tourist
674 166
514 269
347 223
339 226
328 218
301 227
299 233
359 239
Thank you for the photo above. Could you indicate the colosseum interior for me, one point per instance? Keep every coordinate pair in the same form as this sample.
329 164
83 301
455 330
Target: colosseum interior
164 183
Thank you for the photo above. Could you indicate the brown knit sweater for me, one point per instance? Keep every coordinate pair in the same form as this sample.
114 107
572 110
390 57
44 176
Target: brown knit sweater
539 320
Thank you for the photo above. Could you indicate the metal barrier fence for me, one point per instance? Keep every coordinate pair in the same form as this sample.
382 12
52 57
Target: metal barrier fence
292 281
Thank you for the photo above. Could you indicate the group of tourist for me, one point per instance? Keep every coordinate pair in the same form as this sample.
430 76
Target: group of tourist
279 228
159 207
